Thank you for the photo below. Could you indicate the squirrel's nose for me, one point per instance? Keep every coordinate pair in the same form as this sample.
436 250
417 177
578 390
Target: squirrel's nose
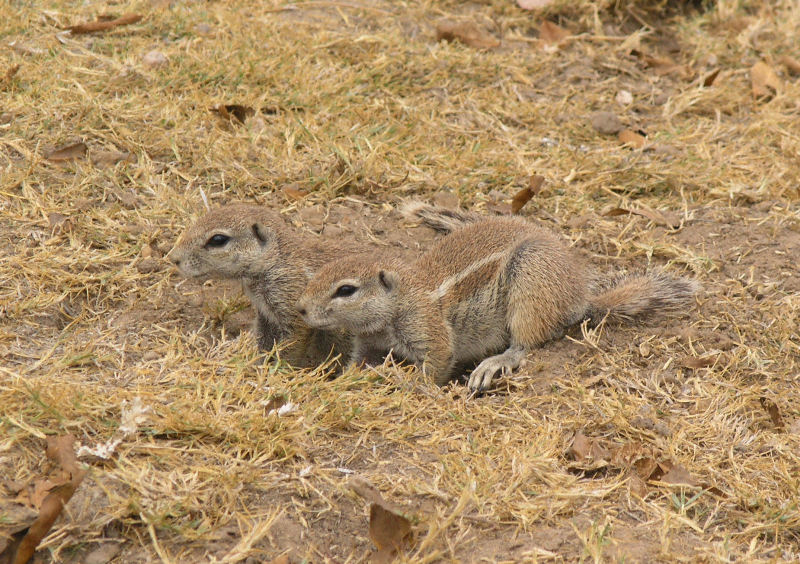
173 258
301 308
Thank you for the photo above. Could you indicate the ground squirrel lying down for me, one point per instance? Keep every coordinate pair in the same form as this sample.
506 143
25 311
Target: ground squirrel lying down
501 285
274 262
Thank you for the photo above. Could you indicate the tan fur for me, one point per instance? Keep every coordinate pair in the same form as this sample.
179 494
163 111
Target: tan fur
274 262
488 292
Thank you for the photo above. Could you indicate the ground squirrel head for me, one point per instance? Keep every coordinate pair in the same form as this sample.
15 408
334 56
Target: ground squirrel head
233 241
354 294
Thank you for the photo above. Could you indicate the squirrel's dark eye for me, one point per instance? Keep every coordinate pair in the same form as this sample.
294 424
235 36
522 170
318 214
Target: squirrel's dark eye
217 240
344 291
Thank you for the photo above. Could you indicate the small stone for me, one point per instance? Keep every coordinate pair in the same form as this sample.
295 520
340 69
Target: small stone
660 98
148 266
606 123
256 125
664 149
203 29
624 98
661 428
642 423
103 553
155 59
333 231
127 198
150 356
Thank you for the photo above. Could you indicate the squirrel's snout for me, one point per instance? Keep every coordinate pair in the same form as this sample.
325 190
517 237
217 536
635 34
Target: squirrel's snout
301 308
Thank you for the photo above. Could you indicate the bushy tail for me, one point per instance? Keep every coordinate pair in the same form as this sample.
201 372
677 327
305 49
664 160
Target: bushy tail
641 295
440 219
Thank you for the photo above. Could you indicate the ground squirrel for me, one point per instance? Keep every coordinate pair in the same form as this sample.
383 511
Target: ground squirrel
274 262
501 284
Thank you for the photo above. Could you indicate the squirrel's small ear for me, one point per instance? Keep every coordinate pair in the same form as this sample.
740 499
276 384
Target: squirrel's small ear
261 233
387 279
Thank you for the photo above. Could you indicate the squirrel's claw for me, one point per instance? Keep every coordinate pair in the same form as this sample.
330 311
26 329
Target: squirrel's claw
482 376
504 364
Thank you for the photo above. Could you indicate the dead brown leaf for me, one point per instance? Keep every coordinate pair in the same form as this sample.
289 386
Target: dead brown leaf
387 529
584 449
791 64
62 451
16 519
636 485
774 413
661 65
710 78
714 490
552 33
366 490
522 197
661 218
696 362
468 33
646 467
630 137
580 446
68 153
639 462
764 81
233 111
10 73
110 158
33 494
625 455
676 474
642 465
104 24
294 194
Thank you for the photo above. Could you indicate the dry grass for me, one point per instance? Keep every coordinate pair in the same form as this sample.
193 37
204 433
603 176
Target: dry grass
360 102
